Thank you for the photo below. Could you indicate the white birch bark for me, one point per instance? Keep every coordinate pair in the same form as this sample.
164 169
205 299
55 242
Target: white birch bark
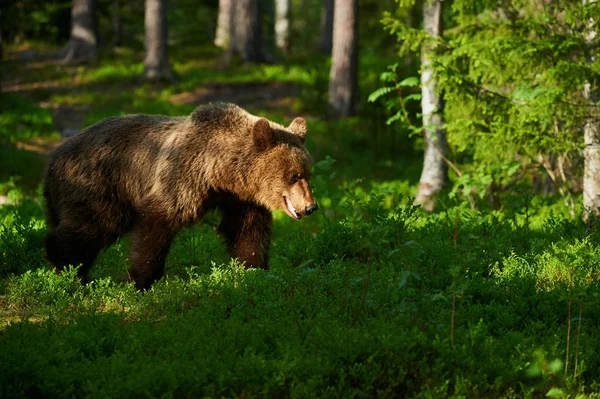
591 136
224 23
282 24
435 171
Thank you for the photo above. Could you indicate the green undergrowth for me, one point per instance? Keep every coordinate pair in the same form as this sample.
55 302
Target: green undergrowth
373 299
22 119
368 297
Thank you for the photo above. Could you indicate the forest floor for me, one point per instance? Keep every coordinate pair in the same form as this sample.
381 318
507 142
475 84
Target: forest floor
23 67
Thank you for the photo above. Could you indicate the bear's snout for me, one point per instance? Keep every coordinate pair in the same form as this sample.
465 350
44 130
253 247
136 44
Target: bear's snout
311 208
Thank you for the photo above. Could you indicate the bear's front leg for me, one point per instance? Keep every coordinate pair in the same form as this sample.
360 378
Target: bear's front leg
150 247
247 231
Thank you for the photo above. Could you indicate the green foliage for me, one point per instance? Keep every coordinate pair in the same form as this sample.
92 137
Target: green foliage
362 308
22 119
36 20
512 77
21 243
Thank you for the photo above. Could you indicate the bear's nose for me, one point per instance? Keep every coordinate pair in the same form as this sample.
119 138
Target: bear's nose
311 208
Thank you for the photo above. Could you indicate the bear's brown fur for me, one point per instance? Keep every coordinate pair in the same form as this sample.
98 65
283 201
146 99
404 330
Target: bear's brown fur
152 175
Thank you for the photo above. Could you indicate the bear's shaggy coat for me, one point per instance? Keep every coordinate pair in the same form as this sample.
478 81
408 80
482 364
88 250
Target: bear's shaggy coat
153 175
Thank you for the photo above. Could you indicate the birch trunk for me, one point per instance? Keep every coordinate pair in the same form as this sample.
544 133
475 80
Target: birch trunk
282 24
343 85
591 137
156 61
224 23
83 43
435 172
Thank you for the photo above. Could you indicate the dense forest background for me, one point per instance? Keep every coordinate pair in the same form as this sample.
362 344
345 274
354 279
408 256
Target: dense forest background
456 160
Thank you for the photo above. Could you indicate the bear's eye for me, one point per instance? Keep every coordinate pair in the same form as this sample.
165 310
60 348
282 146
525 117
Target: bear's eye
294 177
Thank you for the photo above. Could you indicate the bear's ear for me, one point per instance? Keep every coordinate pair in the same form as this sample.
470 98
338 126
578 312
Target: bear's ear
262 134
298 127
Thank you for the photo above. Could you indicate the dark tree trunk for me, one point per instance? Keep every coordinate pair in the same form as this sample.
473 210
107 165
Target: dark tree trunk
282 24
117 23
343 86
247 32
224 23
83 43
326 27
1 48
156 61
435 171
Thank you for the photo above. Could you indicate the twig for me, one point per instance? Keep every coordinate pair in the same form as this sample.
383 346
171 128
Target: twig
452 324
295 312
568 337
566 196
577 341
346 276
364 297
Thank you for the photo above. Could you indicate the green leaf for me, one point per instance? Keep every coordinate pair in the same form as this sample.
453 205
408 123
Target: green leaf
412 81
382 91
556 393
388 77
398 116
414 96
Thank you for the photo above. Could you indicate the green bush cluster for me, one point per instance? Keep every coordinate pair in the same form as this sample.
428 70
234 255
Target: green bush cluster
379 301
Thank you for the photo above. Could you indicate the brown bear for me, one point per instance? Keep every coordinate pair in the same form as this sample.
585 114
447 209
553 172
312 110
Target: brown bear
153 175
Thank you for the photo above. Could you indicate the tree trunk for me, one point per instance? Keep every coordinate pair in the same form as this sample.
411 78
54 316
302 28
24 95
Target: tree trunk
343 86
326 27
282 24
156 61
435 172
1 48
117 23
247 32
83 43
591 137
224 23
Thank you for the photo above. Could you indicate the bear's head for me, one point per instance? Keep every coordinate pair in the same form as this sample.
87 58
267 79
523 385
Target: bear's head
282 167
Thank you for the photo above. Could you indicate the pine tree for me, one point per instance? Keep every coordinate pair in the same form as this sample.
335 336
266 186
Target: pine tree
246 31
326 27
343 85
83 42
156 61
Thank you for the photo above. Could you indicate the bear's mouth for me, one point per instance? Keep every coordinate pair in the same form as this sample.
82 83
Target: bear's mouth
290 209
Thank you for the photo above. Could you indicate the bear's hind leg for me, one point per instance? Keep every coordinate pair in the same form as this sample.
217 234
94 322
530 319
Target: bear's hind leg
150 247
247 231
66 247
